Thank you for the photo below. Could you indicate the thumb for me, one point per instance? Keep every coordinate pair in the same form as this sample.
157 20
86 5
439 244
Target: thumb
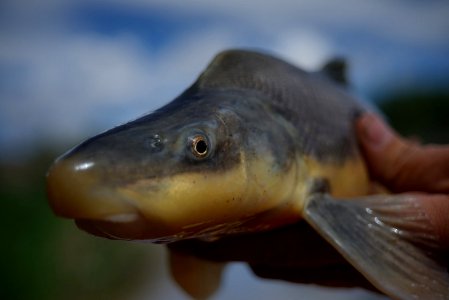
399 164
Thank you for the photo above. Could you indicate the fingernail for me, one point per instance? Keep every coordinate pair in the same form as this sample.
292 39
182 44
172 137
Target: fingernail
375 131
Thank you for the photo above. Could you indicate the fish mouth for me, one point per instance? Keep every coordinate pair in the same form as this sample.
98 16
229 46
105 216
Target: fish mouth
107 229
122 227
134 227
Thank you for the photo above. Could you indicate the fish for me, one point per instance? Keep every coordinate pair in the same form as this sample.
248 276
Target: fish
254 144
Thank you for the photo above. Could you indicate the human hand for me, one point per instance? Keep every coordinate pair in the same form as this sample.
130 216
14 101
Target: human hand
404 166
296 253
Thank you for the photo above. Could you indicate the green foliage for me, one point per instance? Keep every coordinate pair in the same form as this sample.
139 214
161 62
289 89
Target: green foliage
424 115
44 257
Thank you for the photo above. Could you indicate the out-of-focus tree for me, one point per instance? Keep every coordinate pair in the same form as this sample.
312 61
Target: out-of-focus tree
422 115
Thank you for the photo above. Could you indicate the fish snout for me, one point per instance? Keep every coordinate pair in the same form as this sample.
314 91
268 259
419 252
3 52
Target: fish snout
76 190
84 190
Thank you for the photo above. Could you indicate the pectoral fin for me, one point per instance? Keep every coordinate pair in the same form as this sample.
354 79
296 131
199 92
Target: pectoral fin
388 238
199 278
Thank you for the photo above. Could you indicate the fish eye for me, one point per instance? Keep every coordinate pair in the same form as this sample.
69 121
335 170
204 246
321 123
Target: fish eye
199 146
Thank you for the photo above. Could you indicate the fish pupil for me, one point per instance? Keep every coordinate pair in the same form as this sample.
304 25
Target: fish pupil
201 147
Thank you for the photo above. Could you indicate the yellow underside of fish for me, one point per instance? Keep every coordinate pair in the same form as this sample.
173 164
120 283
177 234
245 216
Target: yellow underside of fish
214 201
347 179
253 196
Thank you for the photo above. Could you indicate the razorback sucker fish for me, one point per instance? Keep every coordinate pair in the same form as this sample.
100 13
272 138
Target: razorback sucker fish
254 144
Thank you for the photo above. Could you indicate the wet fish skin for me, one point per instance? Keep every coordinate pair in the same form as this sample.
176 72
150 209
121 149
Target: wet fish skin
272 134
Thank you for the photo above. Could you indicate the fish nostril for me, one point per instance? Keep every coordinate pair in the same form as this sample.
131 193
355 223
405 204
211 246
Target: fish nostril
154 143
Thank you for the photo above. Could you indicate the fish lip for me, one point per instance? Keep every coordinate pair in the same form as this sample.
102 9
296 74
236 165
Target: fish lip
89 227
122 218
112 229
134 227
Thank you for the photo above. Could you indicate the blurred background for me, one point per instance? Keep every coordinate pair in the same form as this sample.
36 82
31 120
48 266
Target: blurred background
70 69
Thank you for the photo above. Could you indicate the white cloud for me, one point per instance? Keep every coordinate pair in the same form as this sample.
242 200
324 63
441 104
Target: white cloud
68 83
305 48
415 22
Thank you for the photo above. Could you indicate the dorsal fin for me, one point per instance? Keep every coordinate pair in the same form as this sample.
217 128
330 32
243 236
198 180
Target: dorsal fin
336 70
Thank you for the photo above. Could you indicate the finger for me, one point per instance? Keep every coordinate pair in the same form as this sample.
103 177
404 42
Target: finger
436 208
399 164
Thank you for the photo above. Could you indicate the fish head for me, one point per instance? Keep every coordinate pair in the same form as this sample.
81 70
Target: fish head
195 168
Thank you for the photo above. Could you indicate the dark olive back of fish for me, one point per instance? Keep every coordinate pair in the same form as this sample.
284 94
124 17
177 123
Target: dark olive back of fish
320 108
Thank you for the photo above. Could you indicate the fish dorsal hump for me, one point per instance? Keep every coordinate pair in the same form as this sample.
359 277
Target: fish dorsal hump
248 69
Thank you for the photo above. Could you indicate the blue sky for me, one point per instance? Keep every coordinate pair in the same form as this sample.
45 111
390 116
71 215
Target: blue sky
69 69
